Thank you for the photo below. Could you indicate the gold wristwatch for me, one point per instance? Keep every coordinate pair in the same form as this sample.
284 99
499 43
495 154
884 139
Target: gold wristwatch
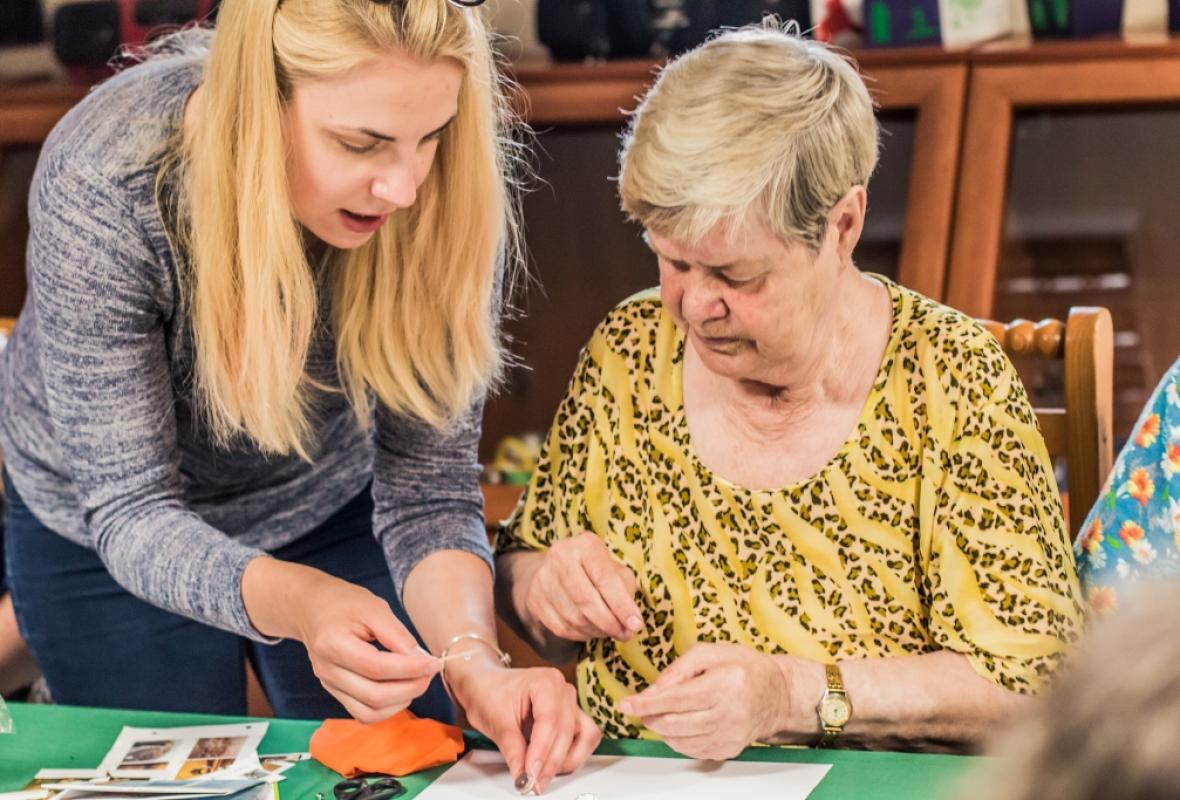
834 708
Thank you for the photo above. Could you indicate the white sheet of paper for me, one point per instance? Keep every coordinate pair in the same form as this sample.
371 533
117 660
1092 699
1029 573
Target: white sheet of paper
483 775
68 774
145 788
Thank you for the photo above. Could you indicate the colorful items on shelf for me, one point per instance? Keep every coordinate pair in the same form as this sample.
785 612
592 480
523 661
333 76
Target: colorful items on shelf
1074 19
514 460
894 23
952 23
962 23
837 21
1081 19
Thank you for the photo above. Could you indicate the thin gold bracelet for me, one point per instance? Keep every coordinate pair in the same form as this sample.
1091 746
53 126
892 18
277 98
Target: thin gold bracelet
466 655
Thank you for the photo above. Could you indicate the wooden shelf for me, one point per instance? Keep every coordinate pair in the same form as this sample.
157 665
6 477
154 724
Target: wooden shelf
599 93
582 94
927 81
1056 75
963 105
29 111
930 82
1026 51
594 93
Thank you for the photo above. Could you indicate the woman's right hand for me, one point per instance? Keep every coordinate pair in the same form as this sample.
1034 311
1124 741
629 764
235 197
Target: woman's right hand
580 592
341 625
531 714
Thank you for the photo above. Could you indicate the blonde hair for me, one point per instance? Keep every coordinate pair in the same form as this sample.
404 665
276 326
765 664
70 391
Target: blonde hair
415 310
756 125
1107 726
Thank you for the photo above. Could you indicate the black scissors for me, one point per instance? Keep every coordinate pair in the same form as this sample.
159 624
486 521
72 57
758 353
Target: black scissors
368 787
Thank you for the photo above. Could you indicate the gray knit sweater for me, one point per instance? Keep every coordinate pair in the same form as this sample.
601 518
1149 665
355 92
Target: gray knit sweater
97 418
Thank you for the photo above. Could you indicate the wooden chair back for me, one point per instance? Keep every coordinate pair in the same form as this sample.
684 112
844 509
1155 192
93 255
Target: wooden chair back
1082 432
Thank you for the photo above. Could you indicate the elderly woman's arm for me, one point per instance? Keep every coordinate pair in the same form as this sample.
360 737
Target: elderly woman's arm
717 698
930 700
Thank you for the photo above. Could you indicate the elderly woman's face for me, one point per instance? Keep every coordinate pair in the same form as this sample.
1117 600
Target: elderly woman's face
748 306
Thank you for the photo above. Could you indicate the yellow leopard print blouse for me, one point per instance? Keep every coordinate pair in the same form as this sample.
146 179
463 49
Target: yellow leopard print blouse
937 525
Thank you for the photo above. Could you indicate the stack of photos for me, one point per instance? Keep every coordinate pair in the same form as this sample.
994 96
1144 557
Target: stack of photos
183 753
172 764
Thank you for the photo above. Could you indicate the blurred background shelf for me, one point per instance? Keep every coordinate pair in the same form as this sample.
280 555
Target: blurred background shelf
1016 179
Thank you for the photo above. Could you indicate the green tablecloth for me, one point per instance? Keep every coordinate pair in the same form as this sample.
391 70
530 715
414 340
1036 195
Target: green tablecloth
64 737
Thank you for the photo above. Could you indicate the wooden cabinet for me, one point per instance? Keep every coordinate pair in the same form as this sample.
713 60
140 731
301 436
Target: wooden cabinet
1060 75
925 84
27 114
947 213
1068 194
586 257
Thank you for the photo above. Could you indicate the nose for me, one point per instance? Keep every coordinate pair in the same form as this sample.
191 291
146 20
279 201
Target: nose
397 186
700 299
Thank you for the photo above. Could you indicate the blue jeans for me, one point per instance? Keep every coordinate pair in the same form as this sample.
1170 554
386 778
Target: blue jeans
99 645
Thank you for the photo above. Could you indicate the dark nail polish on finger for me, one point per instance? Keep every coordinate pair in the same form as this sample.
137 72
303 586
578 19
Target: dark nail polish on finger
525 784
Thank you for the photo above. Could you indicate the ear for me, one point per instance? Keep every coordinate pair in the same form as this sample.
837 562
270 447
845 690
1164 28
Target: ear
846 221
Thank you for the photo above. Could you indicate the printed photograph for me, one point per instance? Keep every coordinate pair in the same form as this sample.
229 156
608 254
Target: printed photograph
272 764
140 752
195 768
218 747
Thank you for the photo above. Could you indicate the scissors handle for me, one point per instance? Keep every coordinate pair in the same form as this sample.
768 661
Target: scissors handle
368 787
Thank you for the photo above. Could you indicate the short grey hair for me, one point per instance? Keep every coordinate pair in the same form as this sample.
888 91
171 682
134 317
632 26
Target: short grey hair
757 124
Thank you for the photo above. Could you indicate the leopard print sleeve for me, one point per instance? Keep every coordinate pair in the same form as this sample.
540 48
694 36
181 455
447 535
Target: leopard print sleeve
998 575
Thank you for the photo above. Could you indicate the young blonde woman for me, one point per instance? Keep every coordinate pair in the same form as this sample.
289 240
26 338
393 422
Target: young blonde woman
241 406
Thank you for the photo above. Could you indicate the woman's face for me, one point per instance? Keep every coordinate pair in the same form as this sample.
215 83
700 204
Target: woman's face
361 144
750 306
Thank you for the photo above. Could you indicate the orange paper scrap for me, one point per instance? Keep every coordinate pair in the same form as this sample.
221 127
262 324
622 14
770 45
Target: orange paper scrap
397 746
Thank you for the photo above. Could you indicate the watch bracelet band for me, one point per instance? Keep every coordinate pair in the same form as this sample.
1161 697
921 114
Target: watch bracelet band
835 684
835 678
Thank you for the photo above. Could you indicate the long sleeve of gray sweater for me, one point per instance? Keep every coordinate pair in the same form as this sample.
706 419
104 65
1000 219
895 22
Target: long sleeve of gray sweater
97 420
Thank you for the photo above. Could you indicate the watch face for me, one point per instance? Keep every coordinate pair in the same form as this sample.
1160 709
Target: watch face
834 709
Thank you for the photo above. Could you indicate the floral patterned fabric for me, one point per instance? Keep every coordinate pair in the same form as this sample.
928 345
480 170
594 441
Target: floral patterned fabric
1133 532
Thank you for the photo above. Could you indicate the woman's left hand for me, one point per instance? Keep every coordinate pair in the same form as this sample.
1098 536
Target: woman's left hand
717 699
531 714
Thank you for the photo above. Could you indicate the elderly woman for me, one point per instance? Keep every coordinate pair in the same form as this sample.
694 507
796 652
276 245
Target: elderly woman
785 501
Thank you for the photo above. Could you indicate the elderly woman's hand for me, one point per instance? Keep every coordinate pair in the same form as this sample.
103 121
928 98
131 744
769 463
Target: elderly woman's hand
580 592
717 699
